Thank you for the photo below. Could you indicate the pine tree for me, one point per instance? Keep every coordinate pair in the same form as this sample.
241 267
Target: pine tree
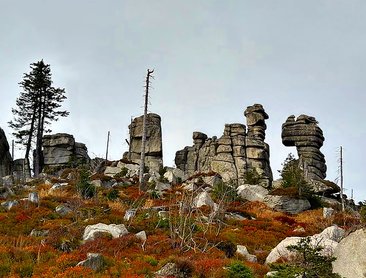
37 106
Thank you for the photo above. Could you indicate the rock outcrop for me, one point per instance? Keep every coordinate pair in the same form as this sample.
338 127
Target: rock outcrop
234 154
306 135
154 146
350 255
61 150
5 157
92 231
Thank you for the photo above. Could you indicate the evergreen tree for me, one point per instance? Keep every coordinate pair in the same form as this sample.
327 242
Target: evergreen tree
36 107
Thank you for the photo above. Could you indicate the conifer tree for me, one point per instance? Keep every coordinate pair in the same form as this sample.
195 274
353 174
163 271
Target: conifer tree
36 107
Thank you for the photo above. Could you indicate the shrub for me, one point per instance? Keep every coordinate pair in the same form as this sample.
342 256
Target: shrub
309 262
224 192
238 270
121 174
112 194
228 247
293 176
252 177
85 189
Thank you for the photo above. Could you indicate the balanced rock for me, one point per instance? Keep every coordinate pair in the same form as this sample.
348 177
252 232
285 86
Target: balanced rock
61 150
232 155
154 146
306 135
5 157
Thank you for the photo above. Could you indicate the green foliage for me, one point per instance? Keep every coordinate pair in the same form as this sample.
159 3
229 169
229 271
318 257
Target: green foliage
252 177
121 174
238 270
113 194
293 177
225 192
85 189
309 262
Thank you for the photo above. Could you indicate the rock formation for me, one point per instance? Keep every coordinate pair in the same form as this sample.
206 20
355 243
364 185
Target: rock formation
154 146
5 157
305 134
234 154
61 150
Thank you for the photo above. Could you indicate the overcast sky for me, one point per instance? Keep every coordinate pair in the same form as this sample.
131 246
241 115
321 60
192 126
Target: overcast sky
212 59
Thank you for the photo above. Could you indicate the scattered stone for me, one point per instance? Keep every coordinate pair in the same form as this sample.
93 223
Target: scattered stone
160 186
8 205
33 197
39 233
234 216
7 181
328 212
170 270
287 204
94 261
141 236
96 183
63 210
203 199
129 214
243 251
5 192
114 230
170 177
252 192
350 255
58 186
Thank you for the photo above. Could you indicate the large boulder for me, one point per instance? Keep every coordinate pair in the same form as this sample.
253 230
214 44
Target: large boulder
235 154
154 146
61 150
328 239
91 231
252 192
350 255
287 204
5 157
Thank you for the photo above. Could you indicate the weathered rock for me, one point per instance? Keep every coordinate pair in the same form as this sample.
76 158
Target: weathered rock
114 230
170 270
129 214
141 236
39 233
350 255
252 192
61 150
234 154
328 240
63 210
287 204
243 251
161 186
94 261
328 212
306 135
33 197
204 199
58 186
8 205
7 181
154 147
5 192
5 157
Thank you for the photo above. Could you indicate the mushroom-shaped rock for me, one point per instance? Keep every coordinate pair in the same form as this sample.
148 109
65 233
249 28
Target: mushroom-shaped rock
114 230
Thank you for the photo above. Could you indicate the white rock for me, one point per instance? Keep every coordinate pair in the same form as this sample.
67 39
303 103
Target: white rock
252 192
33 197
169 175
333 233
328 212
63 210
203 199
113 229
111 171
141 235
58 186
243 251
96 183
350 255
94 261
160 186
10 204
129 214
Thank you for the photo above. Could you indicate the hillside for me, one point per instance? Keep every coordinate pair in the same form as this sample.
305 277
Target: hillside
43 230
